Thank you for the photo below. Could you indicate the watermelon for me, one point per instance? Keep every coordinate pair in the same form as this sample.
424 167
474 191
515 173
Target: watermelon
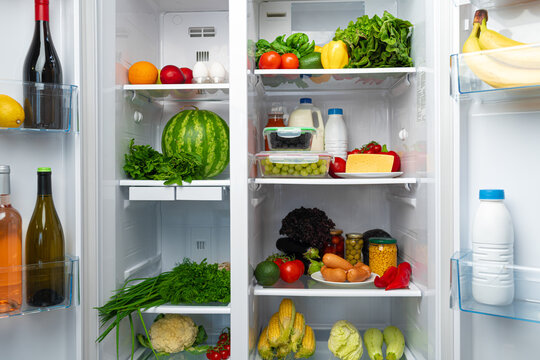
200 132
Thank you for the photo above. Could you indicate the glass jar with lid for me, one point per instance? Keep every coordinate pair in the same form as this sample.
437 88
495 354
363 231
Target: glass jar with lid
336 244
382 254
353 248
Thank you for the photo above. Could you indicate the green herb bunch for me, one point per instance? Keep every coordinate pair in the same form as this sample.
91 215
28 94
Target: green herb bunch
377 42
297 44
144 163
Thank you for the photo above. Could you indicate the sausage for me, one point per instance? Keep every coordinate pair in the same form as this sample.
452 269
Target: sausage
360 265
335 275
358 275
336 262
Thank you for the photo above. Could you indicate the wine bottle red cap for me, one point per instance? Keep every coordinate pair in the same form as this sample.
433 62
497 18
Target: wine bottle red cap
42 10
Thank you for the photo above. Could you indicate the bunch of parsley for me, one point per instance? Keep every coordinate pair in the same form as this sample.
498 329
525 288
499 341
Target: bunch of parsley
144 163
377 42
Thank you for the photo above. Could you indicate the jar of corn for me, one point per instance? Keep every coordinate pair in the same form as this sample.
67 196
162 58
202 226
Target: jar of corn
382 254
353 248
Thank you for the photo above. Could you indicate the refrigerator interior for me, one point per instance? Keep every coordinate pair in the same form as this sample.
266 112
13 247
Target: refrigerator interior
408 213
145 238
53 334
486 128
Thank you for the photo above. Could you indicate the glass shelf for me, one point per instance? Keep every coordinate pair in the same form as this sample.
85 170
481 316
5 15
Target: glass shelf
210 308
70 268
60 98
526 305
332 79
181 92
497 75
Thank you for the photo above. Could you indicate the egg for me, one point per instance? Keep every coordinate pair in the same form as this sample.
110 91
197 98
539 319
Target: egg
200 72
217 72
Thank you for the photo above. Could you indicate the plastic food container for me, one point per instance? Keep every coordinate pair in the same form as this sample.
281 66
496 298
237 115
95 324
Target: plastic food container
293 164
382 254
289 138
353 248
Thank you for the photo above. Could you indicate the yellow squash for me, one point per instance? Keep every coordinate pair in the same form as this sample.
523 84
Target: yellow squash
334 55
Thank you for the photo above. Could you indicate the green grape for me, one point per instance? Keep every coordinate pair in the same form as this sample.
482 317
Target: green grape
267 161
320 162
309 169
279 166
314 166
304 173
298 167
296 173
285 173
316 172
285 167
275 170
291 170
322 169
269 166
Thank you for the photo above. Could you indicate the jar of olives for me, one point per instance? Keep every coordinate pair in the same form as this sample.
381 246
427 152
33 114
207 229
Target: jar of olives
353 248
382 254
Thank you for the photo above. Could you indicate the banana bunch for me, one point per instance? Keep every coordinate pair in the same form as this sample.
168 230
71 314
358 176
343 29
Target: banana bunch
514 67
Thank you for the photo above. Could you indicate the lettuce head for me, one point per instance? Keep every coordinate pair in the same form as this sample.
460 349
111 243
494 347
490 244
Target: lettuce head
345 341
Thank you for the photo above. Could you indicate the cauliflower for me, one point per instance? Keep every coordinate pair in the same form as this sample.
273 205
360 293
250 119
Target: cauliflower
173 333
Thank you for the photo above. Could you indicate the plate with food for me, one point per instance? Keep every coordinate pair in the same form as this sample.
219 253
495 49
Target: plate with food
369 175
318 277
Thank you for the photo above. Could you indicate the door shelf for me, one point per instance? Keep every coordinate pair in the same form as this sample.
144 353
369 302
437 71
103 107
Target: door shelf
332 79
154 190
61 97
526 305
309 287
489 4
213 308
331 181
70 267
468 84
182 92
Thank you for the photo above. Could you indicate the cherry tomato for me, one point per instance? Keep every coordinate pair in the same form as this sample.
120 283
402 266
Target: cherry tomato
301 264
338 165
213 355
228 347
330 248
355 151
290 271
376 148
336 239
339 249
289 61
270 60
370 151
224 336
225 354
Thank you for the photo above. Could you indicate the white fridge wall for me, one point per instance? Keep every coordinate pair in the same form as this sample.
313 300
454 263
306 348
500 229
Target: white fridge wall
25 152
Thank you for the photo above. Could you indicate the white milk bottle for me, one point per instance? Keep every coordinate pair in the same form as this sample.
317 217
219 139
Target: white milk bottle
307 115
493 250
335 134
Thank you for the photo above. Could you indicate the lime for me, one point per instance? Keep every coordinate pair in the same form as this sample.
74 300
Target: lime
267 273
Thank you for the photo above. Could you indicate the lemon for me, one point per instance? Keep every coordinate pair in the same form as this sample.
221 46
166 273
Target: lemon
11 112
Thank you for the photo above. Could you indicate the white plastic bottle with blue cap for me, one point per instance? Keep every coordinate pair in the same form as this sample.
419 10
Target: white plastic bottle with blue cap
493 250
307 115
335 134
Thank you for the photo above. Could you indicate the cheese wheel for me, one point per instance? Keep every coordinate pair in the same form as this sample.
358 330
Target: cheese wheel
369 163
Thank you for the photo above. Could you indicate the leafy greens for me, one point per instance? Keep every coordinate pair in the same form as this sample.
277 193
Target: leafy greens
377 42
297 44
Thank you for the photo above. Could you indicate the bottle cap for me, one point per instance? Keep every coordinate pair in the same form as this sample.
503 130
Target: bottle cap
336 111
44 169
4 169
305 101
491 194
375 240
336 232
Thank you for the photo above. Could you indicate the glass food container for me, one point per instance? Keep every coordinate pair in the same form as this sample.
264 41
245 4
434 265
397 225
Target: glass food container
353 248
338 242
289 138
382 254
293 164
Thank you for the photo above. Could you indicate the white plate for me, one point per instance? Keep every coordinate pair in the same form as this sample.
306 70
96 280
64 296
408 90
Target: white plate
318 277
370 175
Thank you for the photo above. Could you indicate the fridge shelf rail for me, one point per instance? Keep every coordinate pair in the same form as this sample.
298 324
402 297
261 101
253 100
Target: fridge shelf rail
155 190
332 79
64 98
212 308
309 287
181 92
505 74
526 304
331 181
70 268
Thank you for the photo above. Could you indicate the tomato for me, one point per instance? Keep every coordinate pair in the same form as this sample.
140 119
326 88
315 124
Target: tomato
336 239
355 151
225 354
376 148
338 165
228 347
279 262
224 336
213 355
370 151
291 271
301 264
289 61
339 248
329 248
270 60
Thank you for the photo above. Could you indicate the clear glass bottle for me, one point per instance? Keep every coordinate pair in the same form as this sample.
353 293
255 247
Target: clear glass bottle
10 248
44 249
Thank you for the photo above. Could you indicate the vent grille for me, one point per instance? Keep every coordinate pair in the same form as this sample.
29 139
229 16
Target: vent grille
201 245
202 31
202 56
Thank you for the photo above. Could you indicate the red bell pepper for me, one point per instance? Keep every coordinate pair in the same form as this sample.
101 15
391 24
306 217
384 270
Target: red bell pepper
388 276
396 166
402 278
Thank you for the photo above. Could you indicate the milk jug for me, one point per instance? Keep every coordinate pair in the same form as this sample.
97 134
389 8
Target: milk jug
335 135
307 115
493 250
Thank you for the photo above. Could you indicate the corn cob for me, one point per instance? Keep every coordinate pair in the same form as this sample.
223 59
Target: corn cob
264 347
286 313
297 334
308 344
274 331
283 350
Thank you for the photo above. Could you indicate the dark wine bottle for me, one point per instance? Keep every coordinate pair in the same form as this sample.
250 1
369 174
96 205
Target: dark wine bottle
42 104
44 249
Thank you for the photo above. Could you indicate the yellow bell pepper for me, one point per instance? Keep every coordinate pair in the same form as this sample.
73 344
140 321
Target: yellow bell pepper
318 49
334 55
